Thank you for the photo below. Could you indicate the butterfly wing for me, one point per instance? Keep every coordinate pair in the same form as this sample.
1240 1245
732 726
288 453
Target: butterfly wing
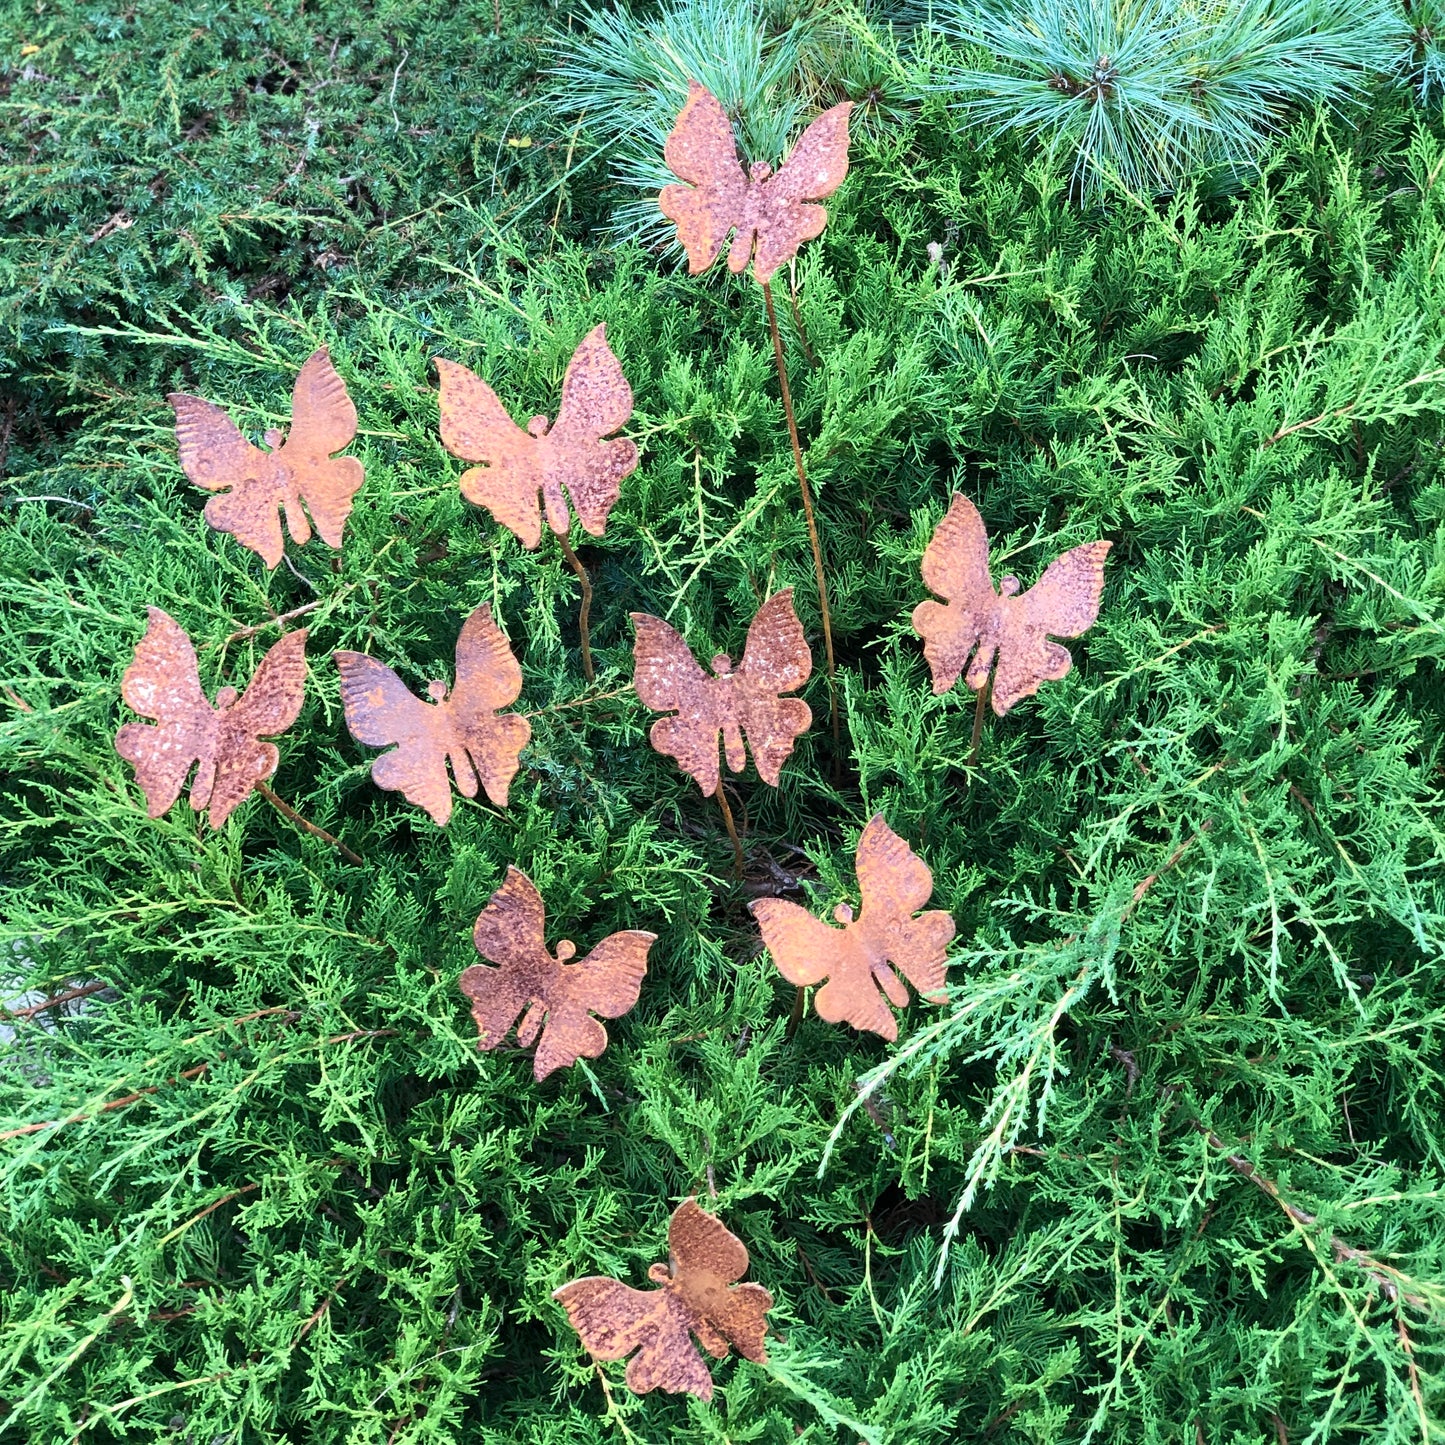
739 1314
895 884
612 1320
700 1243
380 710
509 932
668 679
955 566
815 169
162 682
269 706
475 427
804 948
851 996
707 1258
215 455
596 400
776 659
323 421
606 982
609 979
1063 603
488 677
807 950
701 149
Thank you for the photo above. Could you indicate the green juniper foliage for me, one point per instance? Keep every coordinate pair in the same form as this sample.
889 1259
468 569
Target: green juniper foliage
1168 1166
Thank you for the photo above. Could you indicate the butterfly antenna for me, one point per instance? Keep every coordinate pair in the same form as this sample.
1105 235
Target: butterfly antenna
727 812
287 811
583 615
807 513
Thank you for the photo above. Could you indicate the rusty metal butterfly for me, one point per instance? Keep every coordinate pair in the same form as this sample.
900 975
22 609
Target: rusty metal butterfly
164 683
570 459
854 959
511 932
262 485
699 1296
462 728
755 203
746 701
1008 628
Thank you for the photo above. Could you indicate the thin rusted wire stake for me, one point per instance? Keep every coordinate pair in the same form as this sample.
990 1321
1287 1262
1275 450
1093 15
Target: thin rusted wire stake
978 722
800 1007
287 811
575 562
727 812
807 511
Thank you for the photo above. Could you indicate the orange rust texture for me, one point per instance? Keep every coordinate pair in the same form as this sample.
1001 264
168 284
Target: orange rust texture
699 1296
262 485
511 932
755 203
894 883
568 460
462 728
163 683
1006 631
735 703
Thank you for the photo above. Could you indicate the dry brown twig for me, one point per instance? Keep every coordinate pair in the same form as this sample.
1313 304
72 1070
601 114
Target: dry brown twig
1393 1283
287 811
69 996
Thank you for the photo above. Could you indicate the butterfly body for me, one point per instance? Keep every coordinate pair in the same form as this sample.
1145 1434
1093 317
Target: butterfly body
858 959
225 742
1006 632
699 1296
562 462
769 213
255 488
532 982
462 728
743 704
728 707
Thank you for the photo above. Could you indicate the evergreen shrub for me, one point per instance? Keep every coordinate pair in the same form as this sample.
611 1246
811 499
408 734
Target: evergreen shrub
1179 1125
